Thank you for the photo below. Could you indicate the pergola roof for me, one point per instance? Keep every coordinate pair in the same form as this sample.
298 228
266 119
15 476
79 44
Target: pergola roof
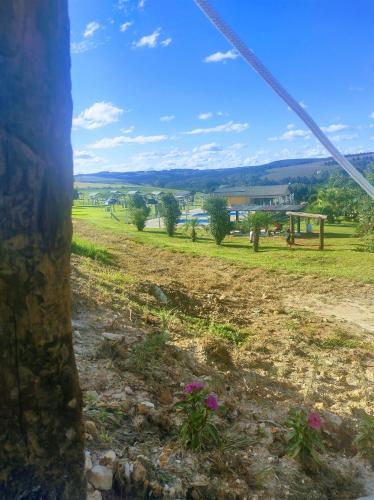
272 191
264 208
307 216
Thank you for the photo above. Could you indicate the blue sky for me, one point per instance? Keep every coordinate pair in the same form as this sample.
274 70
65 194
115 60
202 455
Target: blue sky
155 86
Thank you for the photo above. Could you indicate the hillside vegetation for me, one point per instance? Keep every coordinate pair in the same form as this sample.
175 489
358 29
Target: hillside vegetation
310 170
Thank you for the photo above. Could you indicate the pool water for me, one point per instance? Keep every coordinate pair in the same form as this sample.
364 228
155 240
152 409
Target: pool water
202 218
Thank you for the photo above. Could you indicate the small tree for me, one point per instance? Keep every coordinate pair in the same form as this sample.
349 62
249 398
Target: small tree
190 227
219 218
138 211
255 222
170 212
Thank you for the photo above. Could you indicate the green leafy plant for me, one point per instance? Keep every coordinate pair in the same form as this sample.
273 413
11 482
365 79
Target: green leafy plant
219 218
190 227
170 212
197 408
365 438
255 222
304 441
138 211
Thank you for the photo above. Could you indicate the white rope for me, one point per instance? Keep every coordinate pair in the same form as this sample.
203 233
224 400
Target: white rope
258 66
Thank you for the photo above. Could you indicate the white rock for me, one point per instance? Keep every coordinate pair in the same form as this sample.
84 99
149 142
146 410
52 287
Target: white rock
145 407
128 390
108 459
87 461
100 477
94 495
332 418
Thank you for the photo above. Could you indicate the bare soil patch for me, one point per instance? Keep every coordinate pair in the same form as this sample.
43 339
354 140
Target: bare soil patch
262 341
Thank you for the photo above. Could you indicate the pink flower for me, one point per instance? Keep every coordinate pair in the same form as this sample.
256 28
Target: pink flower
193 386
211 402
314 420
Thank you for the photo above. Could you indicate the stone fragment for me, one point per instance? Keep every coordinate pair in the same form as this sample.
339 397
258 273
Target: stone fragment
90 428
145 407
109 459
140 472
100 477
94 495
87 461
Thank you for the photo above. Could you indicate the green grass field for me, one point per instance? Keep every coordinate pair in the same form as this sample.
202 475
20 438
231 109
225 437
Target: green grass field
341 258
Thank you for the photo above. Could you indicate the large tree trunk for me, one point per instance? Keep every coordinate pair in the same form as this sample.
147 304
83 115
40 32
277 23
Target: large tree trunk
41 450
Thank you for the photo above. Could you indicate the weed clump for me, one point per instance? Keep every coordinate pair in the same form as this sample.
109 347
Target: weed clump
90 250
365 438
146 356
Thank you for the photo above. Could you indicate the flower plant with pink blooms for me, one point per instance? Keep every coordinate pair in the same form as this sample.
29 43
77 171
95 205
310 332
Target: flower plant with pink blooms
197 408
304 441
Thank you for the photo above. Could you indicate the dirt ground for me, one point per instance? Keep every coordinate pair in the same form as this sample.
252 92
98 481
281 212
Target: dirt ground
262 341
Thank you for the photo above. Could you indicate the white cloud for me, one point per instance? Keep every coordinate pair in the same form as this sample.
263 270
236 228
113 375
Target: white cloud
125 26
212 146
112 142
205 116
334 127
166 42
291 134
303 105
91 28
167 118
344 137
141 4
226 127
122 4
149 41
98 115
371 115
290 126
85 158
83 46
221 56
127 130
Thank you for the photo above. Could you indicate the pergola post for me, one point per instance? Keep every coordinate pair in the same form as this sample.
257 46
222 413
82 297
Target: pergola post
298 224
321 234
292 229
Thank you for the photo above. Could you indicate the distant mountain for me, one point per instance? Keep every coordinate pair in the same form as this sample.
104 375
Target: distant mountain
312 171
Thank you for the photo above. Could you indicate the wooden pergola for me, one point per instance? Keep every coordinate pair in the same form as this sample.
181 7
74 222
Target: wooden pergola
302 215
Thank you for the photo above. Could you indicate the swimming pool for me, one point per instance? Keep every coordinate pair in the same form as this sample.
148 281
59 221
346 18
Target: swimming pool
202 217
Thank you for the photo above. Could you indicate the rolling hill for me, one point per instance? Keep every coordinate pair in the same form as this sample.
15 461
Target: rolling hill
279 172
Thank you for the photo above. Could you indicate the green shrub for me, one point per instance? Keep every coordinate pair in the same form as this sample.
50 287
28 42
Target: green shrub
138 211
170 212
219 218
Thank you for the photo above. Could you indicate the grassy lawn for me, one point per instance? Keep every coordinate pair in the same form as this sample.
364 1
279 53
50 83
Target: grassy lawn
341 257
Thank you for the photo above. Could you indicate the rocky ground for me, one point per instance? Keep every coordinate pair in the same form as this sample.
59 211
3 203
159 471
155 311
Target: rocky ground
155 320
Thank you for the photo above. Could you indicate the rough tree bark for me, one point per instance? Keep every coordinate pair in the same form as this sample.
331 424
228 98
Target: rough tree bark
41 450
